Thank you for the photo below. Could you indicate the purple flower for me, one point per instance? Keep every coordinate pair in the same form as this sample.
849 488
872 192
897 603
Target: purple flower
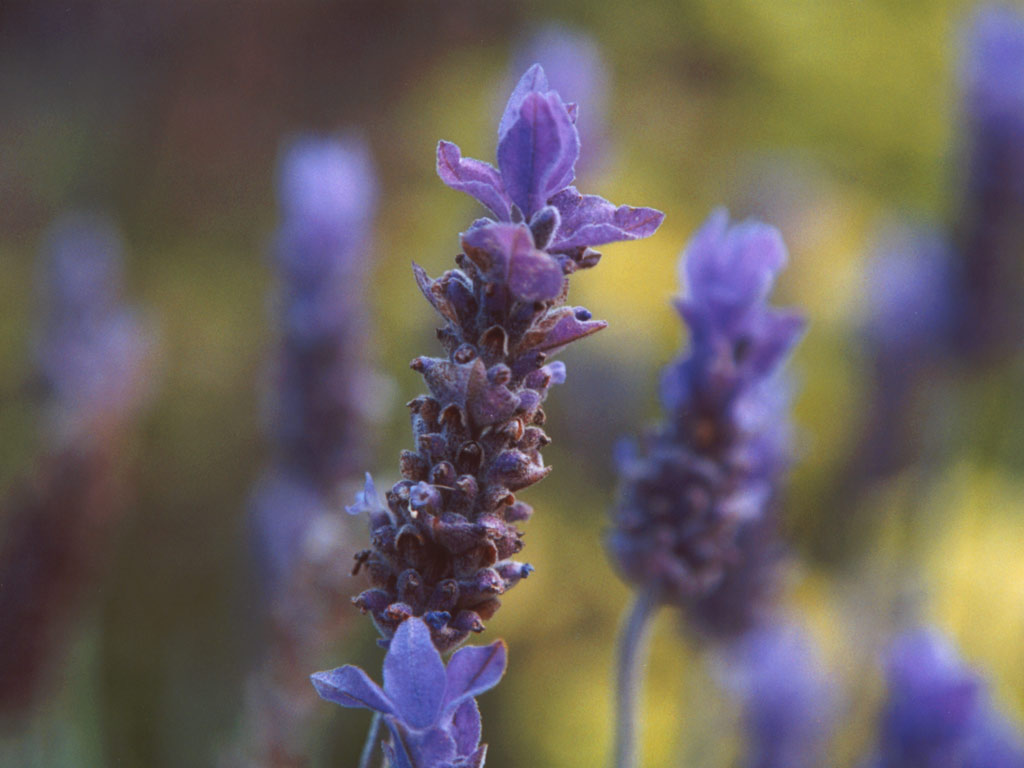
538 146
93 353
324 383
442 547
991 235
787 703
938 714
430 711
714 465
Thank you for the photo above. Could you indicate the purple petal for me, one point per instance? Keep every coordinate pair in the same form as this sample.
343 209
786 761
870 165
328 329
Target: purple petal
396 752
534 276
351 687
488 403
474 177
473 670
505 252
414 677
538 153
589 220
466 728
567 329
431 749
534 80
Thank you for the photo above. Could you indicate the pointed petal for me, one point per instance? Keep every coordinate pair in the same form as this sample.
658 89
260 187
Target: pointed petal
437 300
538 153
589 220
414 676
505 253
351 687
466 728
473 670
474 177
432 749
532 80
566 329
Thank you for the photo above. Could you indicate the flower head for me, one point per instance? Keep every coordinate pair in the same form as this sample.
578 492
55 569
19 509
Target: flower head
442 547
713 466
431 711
937 713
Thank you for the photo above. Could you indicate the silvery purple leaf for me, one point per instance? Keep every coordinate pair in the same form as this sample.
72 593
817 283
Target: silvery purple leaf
589 220
466 727
351 687
414 676
474 670
476 178
538 153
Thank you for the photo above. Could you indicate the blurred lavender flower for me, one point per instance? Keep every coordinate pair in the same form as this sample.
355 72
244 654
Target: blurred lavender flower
93 360
431 711
992 224
788 706
442 547
320 423
575 68
938 714
714 465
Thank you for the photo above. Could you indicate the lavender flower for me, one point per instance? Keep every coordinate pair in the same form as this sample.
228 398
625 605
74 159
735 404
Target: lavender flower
992 221
443 547
713 466
938 714
93 359
575 68
320 426
786 700
431 711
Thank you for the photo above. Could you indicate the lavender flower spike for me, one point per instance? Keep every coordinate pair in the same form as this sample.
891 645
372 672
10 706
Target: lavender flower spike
713 466
938 713
431 711
442 548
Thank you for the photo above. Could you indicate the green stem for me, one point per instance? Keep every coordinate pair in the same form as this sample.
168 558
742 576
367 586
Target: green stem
632 653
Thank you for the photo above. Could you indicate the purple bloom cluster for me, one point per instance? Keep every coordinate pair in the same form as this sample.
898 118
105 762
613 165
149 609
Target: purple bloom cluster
442 547
711 469
431 711
938 714
992 223
323 382
93 360
92 352
787 702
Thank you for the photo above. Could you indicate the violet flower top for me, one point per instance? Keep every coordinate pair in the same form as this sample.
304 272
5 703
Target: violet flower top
787 703
938 714
991 229
322 380
431 711
93 353
713 465
442 545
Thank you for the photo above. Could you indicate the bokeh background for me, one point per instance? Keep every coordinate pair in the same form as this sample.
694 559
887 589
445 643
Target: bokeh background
829 119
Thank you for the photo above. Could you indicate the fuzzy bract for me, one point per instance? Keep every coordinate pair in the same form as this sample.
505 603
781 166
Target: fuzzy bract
431 711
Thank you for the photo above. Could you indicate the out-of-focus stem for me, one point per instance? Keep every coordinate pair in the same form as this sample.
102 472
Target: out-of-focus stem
632 653
372 739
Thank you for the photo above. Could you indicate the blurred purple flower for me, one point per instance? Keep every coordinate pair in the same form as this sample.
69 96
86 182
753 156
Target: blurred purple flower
938 714
788 705
431 711
442 547
713 466
538 146
575 68
93 353
991 234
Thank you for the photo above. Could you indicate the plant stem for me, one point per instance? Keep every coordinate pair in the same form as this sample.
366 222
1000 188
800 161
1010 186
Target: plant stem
632 654
371 741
